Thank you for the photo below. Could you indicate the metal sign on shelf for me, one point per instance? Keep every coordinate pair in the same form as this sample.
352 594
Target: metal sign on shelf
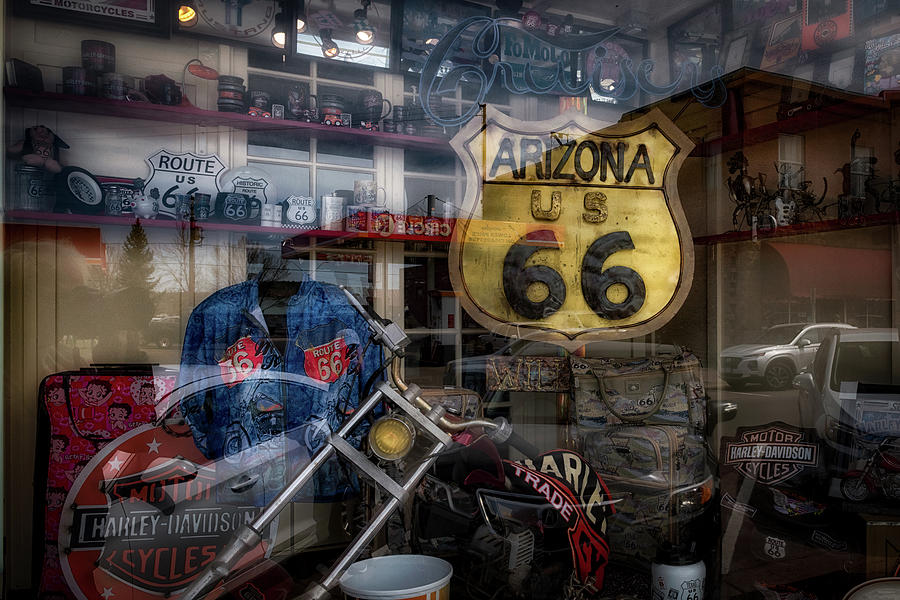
173 173
572 233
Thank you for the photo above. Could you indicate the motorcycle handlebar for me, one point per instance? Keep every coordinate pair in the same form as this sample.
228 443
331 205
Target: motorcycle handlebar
503 433
523 445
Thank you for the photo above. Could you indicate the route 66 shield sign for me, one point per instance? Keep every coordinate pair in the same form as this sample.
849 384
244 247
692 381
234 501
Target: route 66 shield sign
570 233
184 173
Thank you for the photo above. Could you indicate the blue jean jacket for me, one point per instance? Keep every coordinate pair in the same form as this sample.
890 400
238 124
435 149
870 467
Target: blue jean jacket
264 414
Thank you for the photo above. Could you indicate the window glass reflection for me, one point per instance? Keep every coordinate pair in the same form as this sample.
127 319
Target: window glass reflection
430 301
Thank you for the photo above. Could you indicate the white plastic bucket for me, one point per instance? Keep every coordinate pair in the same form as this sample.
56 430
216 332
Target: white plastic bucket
398 577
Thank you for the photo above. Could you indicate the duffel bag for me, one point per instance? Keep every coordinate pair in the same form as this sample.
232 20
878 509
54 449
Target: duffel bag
660 390
650 467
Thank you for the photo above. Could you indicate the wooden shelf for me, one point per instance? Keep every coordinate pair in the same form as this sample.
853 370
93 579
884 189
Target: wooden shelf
25 216
822 117
890 218
190 115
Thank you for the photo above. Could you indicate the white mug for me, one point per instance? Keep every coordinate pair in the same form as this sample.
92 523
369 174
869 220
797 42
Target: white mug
365 192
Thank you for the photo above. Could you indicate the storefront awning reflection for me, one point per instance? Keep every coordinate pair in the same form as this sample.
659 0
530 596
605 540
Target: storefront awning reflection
829 271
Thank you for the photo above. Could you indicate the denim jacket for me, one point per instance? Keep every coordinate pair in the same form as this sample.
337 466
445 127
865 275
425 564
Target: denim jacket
264 414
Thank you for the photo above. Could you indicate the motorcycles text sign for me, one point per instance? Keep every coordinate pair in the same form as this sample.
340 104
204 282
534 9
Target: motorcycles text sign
569 232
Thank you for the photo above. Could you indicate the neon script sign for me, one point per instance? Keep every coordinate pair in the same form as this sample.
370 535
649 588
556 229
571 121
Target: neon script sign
485 36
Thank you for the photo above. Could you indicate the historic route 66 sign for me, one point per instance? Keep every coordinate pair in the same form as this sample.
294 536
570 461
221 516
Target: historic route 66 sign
571 233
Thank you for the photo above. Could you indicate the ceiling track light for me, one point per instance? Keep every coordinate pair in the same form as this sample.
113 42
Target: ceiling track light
365 34
187 14
300 13
279 30
329 48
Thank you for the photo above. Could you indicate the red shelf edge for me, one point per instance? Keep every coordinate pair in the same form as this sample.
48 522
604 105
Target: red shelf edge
78 219
191 115
824 116
891 218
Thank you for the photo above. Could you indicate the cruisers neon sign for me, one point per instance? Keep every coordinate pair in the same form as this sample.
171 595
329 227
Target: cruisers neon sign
486 37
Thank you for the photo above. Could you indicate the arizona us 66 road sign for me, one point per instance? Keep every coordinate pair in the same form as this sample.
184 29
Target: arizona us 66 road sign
571 233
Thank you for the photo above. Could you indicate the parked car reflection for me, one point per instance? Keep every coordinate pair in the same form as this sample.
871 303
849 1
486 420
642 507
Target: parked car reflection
778 353
852 390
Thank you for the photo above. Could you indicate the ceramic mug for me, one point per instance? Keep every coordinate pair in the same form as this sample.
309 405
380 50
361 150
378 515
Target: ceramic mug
365 191
271 215
231 206
372 105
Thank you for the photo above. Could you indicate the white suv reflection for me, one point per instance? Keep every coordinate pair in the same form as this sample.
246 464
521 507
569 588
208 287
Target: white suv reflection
779 353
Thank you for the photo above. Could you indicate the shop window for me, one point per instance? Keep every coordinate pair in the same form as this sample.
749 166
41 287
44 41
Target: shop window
276 62
437 163
790 161
354 270
278 144
333 181
428 357
288 180
430 302
427 197
860 170
346 154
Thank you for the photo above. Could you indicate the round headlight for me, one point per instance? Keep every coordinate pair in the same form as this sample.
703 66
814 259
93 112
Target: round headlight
391 437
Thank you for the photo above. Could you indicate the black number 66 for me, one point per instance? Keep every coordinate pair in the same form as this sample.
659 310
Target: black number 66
595 282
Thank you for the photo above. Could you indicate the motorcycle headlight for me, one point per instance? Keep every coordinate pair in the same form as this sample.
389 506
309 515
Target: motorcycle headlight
391 437
694 498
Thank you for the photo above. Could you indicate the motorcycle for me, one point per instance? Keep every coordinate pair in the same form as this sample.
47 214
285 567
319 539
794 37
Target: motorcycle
880 474
512 527
535 527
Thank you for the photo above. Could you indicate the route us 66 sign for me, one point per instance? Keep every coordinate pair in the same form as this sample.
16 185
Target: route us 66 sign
183 173
569 233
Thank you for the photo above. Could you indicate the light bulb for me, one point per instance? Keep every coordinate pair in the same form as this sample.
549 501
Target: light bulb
187 16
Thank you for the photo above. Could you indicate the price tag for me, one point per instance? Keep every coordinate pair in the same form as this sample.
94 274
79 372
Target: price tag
571 232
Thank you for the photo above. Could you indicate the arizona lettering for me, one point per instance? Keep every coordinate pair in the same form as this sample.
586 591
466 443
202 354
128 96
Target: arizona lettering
568 160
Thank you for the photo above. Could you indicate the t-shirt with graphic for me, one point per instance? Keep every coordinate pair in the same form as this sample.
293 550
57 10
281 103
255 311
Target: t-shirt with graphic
263 413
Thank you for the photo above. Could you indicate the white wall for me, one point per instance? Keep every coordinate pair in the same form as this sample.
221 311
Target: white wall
38 268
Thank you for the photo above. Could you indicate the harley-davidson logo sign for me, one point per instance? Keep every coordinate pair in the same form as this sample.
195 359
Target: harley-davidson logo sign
571 232
771 454
144 518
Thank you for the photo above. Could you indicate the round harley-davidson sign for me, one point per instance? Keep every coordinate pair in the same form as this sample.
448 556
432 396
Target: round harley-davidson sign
145 517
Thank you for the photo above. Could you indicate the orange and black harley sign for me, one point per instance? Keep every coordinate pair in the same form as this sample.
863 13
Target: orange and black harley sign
145 517
571 231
